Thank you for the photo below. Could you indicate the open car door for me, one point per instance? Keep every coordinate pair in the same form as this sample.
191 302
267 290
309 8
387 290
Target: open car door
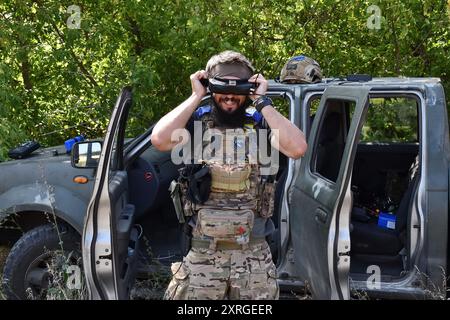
321 200
110 239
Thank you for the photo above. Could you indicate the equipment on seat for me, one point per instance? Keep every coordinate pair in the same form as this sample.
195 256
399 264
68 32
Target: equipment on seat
368 237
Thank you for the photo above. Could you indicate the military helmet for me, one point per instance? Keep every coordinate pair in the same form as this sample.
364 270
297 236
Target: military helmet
301 69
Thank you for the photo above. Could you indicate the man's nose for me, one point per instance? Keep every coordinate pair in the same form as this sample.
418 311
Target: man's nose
230 96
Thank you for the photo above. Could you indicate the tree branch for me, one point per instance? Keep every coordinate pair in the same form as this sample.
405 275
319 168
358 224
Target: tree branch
396 47
80 64
137 39
25 69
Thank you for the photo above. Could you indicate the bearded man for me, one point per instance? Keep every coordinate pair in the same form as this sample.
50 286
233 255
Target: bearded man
227 204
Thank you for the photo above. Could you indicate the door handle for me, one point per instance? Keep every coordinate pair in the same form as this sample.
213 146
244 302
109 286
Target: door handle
321 215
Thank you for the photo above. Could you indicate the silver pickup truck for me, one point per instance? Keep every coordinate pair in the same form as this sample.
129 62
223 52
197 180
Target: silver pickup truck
365 210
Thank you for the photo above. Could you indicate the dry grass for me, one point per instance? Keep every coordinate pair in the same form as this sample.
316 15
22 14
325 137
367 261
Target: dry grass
4 251
58 286
433 290
152 288
156 281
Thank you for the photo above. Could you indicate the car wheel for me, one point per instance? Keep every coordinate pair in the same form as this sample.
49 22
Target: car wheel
37 264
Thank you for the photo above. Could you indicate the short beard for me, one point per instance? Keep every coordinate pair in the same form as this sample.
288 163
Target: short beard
236 119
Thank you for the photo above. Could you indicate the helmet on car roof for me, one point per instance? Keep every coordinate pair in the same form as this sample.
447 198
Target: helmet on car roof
301 69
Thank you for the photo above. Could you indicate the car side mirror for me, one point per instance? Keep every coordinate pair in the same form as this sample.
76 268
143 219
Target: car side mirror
86 154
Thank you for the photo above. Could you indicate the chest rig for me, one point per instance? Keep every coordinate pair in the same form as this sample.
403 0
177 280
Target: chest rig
238 193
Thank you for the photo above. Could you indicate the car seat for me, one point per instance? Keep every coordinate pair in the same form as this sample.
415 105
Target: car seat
369 238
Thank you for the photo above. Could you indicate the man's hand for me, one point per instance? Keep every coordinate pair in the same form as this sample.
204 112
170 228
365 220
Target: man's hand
178 117
261 86
198 89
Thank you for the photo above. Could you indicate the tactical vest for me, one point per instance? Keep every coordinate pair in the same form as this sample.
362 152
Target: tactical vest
238 193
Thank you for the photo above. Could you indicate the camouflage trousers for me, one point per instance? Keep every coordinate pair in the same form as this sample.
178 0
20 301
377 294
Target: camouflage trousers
206 274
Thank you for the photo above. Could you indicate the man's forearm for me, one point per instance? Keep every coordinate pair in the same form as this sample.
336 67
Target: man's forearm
291 140
175 119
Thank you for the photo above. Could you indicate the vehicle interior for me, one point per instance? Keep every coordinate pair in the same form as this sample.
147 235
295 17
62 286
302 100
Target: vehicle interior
384 180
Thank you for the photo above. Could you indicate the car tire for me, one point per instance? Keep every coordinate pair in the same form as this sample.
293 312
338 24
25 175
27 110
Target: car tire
26 266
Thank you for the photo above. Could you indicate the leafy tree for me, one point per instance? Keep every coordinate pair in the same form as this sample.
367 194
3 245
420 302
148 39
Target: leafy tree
57 81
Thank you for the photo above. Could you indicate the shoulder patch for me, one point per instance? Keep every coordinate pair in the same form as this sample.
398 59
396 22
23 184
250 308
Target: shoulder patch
200 112
255 115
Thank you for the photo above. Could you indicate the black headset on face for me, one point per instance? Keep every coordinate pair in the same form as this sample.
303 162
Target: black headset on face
228 86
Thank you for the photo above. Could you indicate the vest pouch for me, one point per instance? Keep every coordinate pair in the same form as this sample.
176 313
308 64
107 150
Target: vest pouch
230 178
226 225
267 198
198 180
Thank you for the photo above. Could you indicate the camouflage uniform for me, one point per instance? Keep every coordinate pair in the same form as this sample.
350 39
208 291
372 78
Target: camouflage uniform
226 261
219 274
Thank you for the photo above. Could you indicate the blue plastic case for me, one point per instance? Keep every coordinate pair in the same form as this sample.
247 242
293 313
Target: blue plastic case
69 143
387 220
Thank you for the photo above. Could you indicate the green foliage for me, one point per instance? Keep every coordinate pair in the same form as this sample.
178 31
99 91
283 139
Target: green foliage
10 136
391 120
65 81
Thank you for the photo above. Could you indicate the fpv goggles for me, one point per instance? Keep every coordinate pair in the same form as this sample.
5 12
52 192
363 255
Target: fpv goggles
228 86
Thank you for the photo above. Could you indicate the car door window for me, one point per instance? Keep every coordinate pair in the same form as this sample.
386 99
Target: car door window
138 121
121 136
330 143
391 120
282 104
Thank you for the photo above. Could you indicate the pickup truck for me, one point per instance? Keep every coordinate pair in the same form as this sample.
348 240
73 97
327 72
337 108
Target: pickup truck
364 211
